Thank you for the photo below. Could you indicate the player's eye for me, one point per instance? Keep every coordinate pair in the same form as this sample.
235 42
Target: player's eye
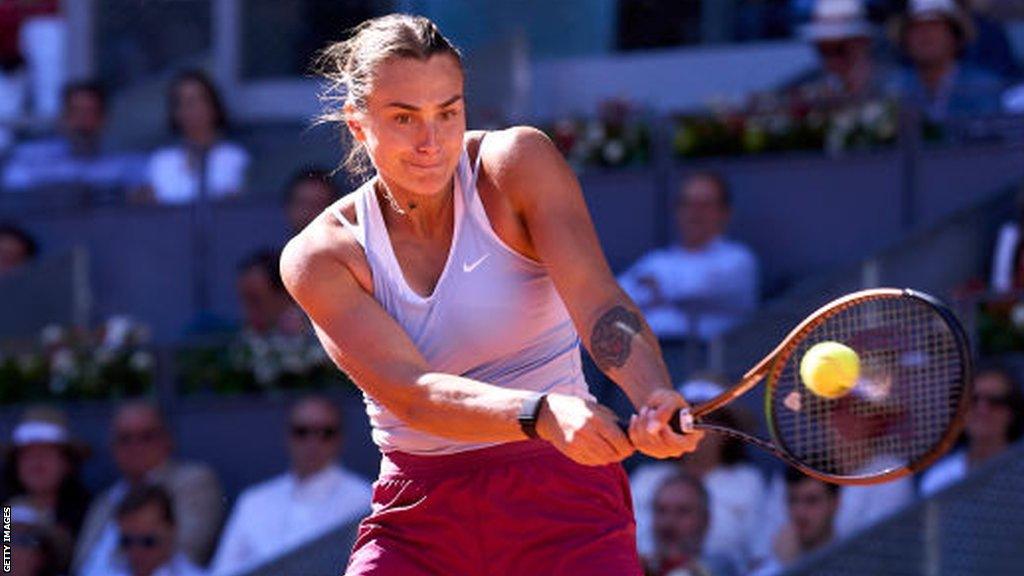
403 119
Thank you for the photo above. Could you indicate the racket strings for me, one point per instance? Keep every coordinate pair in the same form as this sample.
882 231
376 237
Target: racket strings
904 402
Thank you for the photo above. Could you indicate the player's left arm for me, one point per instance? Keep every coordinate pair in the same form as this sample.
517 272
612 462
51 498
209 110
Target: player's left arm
531 173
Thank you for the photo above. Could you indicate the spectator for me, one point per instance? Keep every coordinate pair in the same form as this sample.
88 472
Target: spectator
1007 248
36 548
860 506
15 75
735 487
142 446
843 38
148 535
78 156
704 285
197 116
314 497
42 471
811 506
934 34
994 421
309 193
681 517
991 48
17 248
266 306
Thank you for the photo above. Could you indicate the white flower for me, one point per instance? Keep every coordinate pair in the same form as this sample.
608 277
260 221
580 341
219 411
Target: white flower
1017 316
118 330
872 113
614 151
293 363
141 361
265 373
316 355
63 363
52 335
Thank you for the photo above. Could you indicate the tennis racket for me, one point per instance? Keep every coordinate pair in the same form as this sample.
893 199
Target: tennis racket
905 410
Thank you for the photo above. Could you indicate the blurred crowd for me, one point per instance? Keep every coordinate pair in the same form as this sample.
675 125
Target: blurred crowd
166 515
714 512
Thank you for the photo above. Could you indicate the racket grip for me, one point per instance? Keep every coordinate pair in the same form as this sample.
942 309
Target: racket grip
681 422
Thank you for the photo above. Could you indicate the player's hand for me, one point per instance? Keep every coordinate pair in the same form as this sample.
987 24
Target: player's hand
649 430
585 431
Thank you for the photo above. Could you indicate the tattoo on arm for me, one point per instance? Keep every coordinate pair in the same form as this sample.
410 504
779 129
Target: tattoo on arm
611 339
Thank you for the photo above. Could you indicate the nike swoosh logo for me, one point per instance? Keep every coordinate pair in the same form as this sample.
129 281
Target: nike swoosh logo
467 267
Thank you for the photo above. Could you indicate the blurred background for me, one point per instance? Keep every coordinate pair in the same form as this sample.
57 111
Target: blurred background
744 162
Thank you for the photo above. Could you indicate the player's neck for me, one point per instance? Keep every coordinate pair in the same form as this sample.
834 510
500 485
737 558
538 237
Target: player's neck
421 215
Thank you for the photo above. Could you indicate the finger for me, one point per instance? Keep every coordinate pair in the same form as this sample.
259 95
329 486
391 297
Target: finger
651 423
634 430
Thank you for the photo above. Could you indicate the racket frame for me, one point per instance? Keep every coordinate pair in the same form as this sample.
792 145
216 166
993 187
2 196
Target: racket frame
771 366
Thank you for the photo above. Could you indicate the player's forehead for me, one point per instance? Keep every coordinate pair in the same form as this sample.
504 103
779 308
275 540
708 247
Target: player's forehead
417 83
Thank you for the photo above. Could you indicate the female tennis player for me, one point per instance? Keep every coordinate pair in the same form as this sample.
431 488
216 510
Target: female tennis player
452 287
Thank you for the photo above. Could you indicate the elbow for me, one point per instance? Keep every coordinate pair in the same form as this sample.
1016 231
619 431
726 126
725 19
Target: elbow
409 400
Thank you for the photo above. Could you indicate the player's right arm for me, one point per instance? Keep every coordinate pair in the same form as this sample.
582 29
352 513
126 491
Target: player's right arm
368 345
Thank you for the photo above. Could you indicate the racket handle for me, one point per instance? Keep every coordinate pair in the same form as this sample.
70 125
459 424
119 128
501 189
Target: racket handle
681 422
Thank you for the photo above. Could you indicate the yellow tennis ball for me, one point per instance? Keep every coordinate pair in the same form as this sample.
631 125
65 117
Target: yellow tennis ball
830 369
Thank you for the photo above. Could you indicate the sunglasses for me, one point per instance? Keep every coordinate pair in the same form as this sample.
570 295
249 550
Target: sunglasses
143 541
323 433
991 399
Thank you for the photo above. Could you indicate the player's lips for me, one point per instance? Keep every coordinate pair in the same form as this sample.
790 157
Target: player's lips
427 166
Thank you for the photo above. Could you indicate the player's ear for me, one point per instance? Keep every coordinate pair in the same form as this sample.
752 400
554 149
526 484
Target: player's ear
352 121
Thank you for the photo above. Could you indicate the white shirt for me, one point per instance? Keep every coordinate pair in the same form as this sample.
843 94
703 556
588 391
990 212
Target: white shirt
1002 260
176 181
735 494
179 565
721 280
103 558
298 511
945 472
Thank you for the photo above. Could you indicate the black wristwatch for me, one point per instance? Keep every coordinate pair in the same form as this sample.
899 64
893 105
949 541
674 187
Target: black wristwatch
529 412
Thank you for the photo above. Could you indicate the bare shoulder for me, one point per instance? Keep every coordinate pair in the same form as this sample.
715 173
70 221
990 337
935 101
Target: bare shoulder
525 164
518 147
324 248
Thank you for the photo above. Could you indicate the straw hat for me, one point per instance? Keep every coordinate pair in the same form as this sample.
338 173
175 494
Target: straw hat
925 10
834 20
44 425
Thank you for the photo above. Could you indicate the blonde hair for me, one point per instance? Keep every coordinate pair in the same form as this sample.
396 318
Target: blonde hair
349 66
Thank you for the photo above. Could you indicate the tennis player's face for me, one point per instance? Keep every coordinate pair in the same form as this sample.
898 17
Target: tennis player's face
414 123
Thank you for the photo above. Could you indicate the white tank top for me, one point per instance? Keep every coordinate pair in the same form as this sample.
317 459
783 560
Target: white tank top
494 315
